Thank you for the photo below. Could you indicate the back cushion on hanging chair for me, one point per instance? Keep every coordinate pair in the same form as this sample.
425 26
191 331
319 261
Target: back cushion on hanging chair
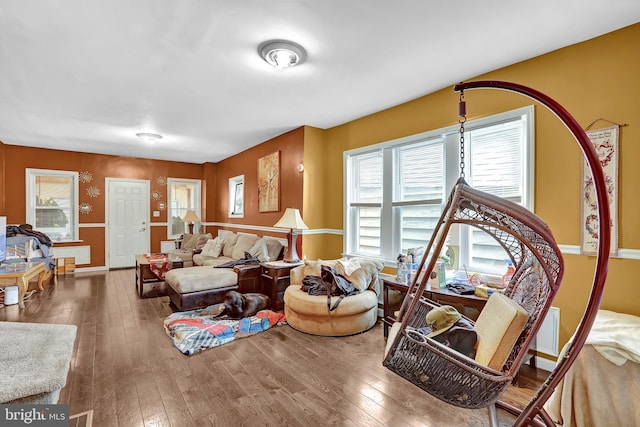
498 327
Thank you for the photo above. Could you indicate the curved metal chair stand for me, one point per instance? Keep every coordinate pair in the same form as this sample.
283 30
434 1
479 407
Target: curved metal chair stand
455 378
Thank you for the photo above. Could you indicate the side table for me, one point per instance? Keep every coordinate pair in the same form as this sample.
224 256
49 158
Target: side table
19 275
144 275
275 280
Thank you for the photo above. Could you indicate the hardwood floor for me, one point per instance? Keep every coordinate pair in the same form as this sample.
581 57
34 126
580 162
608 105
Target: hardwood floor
126 369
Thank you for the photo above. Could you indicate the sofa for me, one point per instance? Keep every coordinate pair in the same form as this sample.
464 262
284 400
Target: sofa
191 243
202 285
355 313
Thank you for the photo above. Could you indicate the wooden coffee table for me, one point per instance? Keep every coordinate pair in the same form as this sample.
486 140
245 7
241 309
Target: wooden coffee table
19 274
144 275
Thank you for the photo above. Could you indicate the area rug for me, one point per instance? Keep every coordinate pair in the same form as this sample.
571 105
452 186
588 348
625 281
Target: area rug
197 330
34 361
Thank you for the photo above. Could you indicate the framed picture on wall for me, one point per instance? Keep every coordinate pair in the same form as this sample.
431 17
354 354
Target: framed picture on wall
605 142
269 183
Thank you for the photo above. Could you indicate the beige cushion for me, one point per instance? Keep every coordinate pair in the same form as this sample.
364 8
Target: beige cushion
259 250
229 244
213 247
193 279
243 244
498 327
199 259
202 240
274 248
189 241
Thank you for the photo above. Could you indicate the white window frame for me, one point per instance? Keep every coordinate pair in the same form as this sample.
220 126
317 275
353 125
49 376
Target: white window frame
236 186
30 179
390 242
197 203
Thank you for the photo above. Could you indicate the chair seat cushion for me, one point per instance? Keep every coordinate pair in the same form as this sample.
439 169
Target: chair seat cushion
498 327
195 279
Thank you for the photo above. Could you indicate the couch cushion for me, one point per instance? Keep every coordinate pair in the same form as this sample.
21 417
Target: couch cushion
183 254
499 326
274 248
259 250
229 244
193 279
244 242
213 247
202 240
189 241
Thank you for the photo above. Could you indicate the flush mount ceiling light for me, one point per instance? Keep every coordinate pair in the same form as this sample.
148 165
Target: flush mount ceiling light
282 54
148 137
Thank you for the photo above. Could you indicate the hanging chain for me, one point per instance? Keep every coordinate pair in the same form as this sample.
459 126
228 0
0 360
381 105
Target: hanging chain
462 112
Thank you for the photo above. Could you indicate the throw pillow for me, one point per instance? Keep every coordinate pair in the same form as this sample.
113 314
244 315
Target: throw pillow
213 247
364 277
259 250
202 240
189 241
274 248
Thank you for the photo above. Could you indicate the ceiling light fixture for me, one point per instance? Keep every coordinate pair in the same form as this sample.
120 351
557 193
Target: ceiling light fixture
148 137
282 54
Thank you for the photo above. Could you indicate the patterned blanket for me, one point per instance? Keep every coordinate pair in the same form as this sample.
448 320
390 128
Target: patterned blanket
197 330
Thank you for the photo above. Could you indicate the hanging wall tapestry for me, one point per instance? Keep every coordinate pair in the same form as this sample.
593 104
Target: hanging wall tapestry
605 142
269 183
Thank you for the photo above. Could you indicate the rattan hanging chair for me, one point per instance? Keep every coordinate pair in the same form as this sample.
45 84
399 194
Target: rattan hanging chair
460 380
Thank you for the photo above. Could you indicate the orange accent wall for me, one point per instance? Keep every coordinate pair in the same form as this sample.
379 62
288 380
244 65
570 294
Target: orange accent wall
291 147
17 159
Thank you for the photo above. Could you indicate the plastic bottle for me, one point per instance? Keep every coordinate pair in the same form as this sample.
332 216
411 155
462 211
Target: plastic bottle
506 277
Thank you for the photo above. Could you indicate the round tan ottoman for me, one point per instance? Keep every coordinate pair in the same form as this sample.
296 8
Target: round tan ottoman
309 313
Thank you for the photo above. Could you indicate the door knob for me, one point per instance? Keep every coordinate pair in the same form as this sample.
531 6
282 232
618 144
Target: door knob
142 229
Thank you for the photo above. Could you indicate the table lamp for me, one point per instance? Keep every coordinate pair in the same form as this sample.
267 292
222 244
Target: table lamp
293 221
191 217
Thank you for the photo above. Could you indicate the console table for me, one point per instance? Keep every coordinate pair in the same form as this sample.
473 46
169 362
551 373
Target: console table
469 305
19 274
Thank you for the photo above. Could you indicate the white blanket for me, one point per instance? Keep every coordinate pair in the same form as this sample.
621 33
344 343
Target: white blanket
616 336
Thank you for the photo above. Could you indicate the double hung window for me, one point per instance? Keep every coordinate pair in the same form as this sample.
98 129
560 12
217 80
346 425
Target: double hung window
52 203
395 191
184 195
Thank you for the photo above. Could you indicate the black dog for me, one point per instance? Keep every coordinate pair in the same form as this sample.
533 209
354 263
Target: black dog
239 305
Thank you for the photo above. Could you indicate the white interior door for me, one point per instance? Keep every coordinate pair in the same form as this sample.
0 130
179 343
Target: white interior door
127 221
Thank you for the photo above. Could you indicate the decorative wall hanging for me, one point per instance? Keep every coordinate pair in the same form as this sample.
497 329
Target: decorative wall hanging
156 195
85 176
605 141
93 191
162 180
161 206
85 208
269 183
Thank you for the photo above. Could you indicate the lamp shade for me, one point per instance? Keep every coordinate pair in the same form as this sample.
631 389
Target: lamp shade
291 219
191 217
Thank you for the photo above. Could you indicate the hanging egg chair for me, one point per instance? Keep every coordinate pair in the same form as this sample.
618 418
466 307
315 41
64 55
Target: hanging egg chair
480 382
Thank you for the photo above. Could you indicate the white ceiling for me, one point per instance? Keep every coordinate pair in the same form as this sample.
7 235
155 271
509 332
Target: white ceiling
87 75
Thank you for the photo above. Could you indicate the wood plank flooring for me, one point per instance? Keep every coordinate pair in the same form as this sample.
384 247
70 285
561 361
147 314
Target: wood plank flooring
127 371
